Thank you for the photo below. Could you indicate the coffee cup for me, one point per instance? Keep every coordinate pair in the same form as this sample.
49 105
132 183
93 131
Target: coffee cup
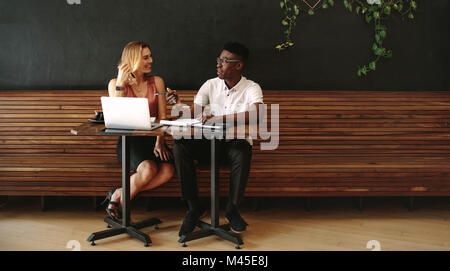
98 115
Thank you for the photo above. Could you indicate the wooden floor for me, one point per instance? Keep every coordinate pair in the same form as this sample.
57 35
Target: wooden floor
281 224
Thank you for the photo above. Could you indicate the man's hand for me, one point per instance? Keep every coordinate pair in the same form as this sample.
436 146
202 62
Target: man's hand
215 119
207 117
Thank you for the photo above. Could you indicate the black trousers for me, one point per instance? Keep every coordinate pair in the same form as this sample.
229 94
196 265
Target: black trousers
236 153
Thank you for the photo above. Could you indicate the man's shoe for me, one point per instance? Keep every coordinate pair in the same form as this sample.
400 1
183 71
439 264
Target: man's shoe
237 223
190 221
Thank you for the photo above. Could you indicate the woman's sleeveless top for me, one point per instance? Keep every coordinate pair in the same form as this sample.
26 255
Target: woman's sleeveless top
152 98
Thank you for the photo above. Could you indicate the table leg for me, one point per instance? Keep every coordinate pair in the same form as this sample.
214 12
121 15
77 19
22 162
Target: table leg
125 227
214 186
213 228
125 181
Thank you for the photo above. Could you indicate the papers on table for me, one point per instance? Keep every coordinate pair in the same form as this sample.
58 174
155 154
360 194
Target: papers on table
180 122
188 123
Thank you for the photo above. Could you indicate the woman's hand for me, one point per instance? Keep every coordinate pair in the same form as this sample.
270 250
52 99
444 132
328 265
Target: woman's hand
172 98
123 75
161 151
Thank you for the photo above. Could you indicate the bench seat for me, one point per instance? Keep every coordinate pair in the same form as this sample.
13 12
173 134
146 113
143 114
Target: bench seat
331 143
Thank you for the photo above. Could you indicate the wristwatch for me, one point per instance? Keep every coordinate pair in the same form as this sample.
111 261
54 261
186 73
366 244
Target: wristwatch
118 88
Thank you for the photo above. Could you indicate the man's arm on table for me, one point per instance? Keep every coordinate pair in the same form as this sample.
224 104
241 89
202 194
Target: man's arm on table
241 118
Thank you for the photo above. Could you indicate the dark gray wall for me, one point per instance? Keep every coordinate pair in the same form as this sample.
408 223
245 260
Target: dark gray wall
48 44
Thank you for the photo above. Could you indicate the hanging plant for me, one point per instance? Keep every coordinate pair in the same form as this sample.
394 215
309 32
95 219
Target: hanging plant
292 9
374 12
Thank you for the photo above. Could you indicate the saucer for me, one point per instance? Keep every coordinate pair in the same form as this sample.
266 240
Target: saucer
96 121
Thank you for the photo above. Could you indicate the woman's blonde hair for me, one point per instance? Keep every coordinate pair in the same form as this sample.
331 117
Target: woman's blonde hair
132 54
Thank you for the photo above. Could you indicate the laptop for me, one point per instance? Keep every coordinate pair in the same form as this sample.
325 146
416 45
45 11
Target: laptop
126 113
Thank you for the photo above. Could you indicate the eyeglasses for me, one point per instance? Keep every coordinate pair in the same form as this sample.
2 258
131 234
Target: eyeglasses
224 61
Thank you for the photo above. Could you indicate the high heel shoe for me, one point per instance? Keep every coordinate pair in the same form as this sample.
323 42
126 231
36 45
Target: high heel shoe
108 196
113 213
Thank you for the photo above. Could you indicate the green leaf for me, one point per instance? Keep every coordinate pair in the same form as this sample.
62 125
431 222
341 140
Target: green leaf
296 10
364 10
377 38
348 5
372 65
331 2
311 12
388 54
359 72
324 5
364 70
387 10
410 16
374 46
284 22
380 27
357 10
281 4
345 3
382 34
376 15
413 4
379 51
368 18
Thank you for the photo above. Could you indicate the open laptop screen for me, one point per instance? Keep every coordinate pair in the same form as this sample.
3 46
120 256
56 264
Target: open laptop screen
126 113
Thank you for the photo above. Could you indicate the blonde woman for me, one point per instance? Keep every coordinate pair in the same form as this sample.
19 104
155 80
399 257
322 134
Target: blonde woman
150 158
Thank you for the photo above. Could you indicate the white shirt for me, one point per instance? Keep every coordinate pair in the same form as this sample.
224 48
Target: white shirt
224 101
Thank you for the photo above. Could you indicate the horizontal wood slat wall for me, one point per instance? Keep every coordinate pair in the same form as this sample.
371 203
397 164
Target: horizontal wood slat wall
331 143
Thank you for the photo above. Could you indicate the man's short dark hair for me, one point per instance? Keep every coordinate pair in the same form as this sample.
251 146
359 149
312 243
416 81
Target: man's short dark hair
237 49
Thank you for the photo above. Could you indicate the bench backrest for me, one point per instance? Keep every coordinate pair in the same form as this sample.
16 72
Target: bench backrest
328 141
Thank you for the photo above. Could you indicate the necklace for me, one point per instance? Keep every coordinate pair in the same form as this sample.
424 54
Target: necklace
140 90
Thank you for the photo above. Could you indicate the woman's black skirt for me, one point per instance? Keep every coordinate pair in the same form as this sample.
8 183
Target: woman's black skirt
141 149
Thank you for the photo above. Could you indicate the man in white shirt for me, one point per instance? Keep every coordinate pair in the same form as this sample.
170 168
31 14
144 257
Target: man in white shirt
230 97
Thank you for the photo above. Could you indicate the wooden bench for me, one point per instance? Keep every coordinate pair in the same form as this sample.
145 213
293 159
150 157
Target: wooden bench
331 143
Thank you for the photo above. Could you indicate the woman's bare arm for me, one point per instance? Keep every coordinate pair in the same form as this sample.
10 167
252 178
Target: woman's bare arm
112 89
